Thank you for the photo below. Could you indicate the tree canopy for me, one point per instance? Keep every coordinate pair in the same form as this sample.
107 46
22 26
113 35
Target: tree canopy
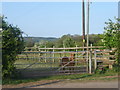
70 41
111 34
112 37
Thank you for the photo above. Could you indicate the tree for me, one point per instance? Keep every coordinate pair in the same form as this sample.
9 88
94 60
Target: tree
96 39
65 40
44 43
69 42
12 44
78 40
111 34
112 38
29 42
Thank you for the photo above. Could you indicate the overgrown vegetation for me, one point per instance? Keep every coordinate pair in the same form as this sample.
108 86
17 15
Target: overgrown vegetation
112 39
12 44
111 34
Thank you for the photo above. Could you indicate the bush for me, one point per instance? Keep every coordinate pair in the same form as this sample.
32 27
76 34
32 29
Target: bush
101 70
12 44
116 68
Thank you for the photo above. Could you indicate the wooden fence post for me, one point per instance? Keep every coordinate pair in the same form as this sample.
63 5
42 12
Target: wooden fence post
39 54
76 49
51 60
91 46
95 61
60 57
90 62
76 55
87 60
45 54
64 50
53 54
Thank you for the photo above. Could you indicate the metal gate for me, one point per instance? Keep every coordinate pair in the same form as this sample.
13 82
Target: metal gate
36 63
48 61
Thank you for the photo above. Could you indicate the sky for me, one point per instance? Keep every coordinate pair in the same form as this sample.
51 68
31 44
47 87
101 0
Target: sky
54 19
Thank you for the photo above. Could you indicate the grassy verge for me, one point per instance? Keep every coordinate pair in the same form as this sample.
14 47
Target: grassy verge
83 77
57 77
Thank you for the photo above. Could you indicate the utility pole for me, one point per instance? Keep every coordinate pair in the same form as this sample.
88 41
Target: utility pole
83 23
88 9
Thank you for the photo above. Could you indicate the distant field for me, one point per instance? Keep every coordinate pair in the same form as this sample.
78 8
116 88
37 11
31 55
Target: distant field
47 62
44 60
35 64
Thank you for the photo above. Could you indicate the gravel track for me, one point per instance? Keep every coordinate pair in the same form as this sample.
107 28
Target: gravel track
78 84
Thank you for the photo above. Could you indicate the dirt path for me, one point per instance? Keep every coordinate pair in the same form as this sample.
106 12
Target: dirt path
78 84
74 83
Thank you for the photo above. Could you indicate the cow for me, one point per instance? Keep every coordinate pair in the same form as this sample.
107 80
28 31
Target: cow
68 62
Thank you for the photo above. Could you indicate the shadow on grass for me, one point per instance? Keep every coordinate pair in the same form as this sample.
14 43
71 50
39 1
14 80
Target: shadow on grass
22 80
55 77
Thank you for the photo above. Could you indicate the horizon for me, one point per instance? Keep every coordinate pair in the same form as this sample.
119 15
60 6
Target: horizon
54 37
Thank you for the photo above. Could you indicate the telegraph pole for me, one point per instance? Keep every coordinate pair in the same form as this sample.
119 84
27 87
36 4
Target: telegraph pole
88 24
88 60
83 23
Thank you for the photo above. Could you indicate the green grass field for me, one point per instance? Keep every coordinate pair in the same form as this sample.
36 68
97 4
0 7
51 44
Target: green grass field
42 61
34 64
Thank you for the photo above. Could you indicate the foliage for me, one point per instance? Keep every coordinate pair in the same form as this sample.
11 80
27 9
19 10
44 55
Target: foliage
101 70
43 44
38 39
111 33
112 37
40 44
29 42
96 39
12 44
105 70
60 42
69 41
118 51
116 68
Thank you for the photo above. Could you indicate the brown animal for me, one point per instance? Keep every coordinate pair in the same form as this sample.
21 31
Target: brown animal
68 62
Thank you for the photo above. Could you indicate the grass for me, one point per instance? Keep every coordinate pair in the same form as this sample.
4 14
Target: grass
23 62
59 77
82 77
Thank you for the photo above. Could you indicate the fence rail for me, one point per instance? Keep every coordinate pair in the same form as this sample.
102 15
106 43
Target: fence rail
93 47
46 61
